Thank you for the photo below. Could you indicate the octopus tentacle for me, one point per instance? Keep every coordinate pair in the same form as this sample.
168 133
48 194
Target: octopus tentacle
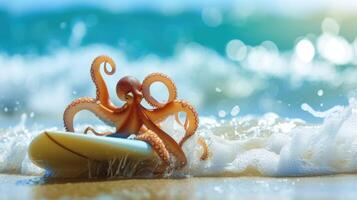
158 77
157 144
205 154
89 104
192 120
169 142
132 117
102 94
95 132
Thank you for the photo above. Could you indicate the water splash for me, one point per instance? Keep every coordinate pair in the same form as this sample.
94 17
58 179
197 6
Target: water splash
263 146
13 145
306 107
272 146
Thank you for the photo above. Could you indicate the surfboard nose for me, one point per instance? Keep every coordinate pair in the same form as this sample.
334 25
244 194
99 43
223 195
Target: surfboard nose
66 152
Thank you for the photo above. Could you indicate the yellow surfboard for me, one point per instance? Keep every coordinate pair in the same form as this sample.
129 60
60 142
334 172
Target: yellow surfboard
69 154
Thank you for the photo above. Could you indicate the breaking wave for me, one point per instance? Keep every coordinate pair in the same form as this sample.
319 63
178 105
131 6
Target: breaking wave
268 145
259 84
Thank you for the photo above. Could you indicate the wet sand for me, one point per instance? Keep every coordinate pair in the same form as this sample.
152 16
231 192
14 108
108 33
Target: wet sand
325 187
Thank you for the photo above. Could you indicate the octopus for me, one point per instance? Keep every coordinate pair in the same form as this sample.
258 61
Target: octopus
132 117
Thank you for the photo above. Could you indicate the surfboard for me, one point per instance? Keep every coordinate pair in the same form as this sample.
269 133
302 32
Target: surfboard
69 153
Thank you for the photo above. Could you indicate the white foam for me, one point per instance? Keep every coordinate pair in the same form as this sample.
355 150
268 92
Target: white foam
13 146
276 147
265 146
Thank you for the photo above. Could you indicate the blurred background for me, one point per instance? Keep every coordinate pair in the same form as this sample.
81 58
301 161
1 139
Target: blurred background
228 58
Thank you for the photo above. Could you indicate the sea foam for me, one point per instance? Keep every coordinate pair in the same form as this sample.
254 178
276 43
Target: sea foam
266 145
272 146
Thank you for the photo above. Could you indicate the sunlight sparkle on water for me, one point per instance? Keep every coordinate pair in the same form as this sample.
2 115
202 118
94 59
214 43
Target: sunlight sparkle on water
305 50
334 48
330 25
265 59
218 89
236 50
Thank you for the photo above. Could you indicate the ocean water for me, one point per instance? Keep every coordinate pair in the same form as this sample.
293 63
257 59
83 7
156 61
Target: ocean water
270 103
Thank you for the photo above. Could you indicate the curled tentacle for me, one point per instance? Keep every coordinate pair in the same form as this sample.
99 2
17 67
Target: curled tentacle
205 154
89 104
173 108
102 94
158 77
131 117
169 142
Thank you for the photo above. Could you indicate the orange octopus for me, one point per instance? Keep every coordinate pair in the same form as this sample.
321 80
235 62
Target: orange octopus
132 117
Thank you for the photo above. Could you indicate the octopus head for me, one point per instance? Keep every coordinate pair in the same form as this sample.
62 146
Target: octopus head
129 89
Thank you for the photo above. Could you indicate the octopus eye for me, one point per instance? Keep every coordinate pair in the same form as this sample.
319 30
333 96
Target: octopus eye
129 95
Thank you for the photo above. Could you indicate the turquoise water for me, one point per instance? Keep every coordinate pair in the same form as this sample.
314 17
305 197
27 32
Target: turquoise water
46 50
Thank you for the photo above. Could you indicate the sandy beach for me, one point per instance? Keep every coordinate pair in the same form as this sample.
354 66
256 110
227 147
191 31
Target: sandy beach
322 187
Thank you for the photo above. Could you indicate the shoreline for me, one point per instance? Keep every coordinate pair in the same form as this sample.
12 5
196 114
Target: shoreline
35 187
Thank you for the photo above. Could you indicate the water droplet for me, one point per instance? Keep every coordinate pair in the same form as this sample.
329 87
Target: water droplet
236 50
235 111
6 109
321 105
218 89
74 92
63 25
32 114
320 92
222 113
